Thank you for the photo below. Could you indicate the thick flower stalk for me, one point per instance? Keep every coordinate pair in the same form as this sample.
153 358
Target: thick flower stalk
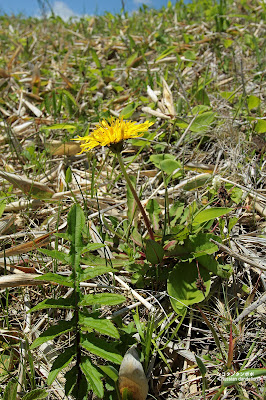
112 134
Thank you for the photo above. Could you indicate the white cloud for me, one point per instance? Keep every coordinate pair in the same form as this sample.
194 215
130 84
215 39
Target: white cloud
62 10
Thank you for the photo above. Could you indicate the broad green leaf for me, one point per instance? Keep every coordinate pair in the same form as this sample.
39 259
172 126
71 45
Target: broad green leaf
210 213
236 194
228 43
55 303
169 166
110 371
57 255
92 272
232 222
61 362
241 376
212 265
101 348
52 332
199 109
56 278
202 122
228 96
108 299
156 159
93 376
129 110
182 285
154 252
92 247
261 126
194 246
10 392
200 244
103 326
253 102
36 394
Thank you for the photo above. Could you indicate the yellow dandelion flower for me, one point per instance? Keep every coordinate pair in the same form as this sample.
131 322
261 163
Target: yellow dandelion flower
111 133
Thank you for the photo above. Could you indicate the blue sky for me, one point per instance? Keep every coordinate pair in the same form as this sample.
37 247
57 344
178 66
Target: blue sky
67 8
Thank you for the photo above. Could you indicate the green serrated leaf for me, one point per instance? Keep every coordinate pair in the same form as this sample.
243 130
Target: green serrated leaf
52 332
61 362
78 388
71 380
154 252
56 278
210 213
93 376
103 326
92 247
101 348
108 299
55 303
36 394
57 255
92 272
76 221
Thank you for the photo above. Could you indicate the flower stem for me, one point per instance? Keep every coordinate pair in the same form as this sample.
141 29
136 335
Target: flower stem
133 191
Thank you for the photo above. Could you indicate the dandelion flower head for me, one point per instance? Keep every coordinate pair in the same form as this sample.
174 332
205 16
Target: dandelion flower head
110 133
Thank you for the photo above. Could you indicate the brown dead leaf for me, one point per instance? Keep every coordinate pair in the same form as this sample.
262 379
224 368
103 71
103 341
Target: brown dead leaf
168 99
29 246
57 148
35 189
12 59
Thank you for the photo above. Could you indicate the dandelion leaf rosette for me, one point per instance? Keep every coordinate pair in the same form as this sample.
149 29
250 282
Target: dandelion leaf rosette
182 285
